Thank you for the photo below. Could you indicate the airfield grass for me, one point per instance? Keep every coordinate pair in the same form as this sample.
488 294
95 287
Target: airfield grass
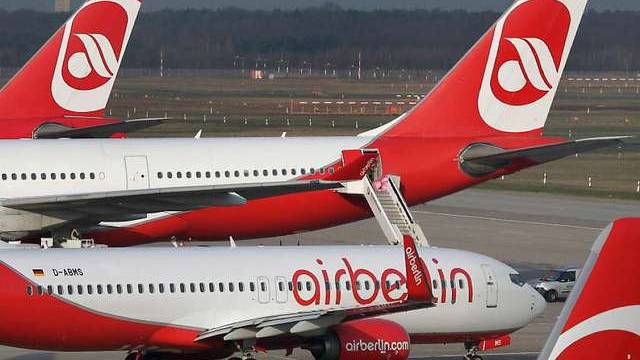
238 106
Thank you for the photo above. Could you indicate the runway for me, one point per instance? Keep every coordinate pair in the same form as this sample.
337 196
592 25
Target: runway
532 232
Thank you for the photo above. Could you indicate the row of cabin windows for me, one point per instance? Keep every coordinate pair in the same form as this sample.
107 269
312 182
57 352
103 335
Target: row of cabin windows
238 173
444 284
189 288
49 176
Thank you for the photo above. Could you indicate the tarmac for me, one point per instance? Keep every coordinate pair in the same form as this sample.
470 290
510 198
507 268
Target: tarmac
533 232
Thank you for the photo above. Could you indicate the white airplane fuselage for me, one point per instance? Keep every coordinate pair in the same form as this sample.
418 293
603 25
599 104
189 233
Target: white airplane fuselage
113 299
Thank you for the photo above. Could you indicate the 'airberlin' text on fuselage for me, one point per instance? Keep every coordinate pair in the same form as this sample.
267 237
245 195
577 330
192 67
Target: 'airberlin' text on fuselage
321 287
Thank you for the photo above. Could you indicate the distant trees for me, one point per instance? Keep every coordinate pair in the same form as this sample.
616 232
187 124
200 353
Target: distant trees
321 37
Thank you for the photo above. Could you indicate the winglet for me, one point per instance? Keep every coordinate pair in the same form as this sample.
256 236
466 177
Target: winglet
418 278
601 318
356 166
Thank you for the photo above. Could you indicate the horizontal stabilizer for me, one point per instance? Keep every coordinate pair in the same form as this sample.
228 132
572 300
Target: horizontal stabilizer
98 131
484 159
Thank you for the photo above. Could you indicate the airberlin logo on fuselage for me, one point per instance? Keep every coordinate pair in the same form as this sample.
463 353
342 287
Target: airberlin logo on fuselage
91 49
524 62
319 286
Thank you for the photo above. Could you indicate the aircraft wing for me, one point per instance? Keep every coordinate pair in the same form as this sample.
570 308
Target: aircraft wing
97 131
489 160
419 296
301 322
126 204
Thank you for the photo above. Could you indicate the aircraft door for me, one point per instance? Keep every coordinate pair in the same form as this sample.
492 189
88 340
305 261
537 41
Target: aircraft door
282 293
492 285
137 170
264 295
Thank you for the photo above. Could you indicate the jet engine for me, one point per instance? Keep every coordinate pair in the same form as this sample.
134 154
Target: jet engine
366 339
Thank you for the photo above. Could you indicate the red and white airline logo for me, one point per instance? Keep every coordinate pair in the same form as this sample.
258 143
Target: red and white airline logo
90 53
598 334
530 45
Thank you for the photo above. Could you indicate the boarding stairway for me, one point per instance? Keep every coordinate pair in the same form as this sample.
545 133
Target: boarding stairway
388 205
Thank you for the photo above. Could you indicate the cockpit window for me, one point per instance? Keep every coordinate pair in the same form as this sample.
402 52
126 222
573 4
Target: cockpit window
517 279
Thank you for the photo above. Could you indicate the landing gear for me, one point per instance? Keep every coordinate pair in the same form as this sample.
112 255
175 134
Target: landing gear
472 352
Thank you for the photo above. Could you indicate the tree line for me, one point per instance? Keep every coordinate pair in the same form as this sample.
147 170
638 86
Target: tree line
322 37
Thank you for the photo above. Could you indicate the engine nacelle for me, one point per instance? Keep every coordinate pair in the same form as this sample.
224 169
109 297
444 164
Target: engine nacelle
366 339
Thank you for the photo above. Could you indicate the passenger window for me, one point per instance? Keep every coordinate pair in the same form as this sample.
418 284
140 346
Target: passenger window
212 287
208 174
227 174
202 287
303 171
50 290
256 173
263 286
14 176
290 286
198 174
119 289
221 287
43 176
172 288
275 172
129 289
192 287
217 174
34 176
246 173
170 175
284 171
241 287
53 176
348 286
72 176
40 290
331 171
92 176
236 173
252 287
69 289
60 290
265 172
63 176
453 284
435 284
461 284
140 289
293 171
23 176
152 289
159 174
299 285
231 287
161 288
4 177
30 290
183 288
109 289
82 176
188 174
280 286
312 171
179 174
322 171
366 285
89 290
358 287
308 285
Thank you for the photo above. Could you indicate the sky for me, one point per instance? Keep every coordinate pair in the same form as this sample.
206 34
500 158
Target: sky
151 5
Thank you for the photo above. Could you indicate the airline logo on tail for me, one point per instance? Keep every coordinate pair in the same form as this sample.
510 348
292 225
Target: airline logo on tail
90 54
601 319
530 45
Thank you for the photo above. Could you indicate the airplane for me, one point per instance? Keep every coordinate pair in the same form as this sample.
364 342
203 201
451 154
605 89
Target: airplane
63 90
601 318
484 120
192 303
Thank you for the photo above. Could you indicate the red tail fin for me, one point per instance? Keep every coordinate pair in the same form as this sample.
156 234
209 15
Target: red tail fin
601 319
74 72
506 82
